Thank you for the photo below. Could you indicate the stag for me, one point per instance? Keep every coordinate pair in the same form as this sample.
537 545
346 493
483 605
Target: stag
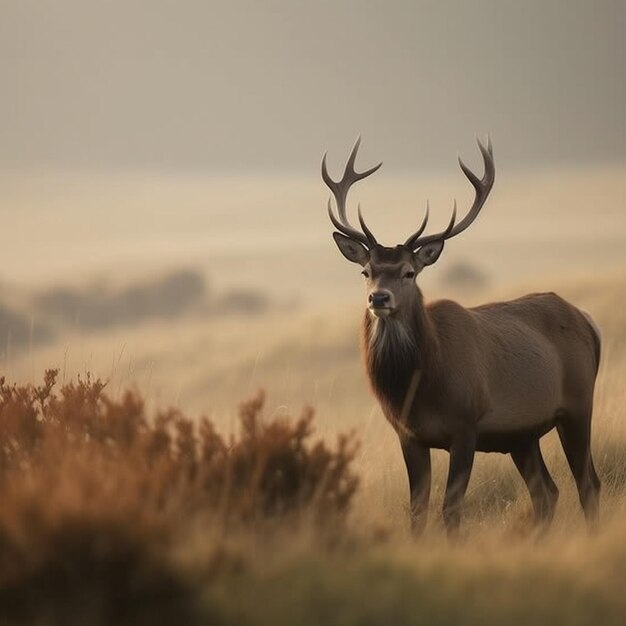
491 378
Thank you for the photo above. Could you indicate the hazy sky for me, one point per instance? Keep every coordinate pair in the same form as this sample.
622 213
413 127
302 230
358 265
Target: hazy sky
266 86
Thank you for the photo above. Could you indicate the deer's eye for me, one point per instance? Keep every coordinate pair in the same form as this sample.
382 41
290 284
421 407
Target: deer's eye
409 275
365 273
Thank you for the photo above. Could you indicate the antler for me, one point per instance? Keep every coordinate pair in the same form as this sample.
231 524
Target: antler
482 187
340 192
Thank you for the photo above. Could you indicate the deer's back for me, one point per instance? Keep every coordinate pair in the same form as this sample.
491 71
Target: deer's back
523 363
541 321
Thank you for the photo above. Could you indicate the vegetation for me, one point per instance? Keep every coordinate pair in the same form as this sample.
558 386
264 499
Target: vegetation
97 497
115 512
112 516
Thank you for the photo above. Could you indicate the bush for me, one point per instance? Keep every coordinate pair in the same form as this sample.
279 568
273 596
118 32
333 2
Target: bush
269 470
95 494
100 306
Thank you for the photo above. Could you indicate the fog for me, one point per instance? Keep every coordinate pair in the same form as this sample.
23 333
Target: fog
266 87
160 194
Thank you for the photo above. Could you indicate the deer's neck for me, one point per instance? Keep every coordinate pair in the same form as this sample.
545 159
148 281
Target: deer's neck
401 355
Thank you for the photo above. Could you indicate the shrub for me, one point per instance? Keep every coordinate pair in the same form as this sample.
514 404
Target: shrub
270 469
101 306
95 494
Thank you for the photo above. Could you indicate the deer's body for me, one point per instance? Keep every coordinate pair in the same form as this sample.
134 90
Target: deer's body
492 378
513 369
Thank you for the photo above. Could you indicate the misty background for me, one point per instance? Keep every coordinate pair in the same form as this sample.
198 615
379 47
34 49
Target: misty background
265 87
162 216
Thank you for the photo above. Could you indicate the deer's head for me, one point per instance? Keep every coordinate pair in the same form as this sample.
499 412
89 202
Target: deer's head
390 272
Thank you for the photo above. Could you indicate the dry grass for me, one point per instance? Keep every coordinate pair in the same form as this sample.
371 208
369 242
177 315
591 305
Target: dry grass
113 516
164 512
100 531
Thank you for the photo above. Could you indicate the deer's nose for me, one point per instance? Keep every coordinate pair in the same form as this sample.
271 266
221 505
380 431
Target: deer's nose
379 299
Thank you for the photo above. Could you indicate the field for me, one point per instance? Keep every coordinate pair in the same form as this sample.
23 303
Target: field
196 293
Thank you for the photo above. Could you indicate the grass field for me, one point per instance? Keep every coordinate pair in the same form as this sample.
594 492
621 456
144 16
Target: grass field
162 568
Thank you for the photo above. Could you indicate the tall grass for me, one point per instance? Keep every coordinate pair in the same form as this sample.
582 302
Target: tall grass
111 515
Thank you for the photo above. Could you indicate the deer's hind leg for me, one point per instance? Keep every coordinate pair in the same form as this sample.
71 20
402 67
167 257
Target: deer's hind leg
542 489
575 434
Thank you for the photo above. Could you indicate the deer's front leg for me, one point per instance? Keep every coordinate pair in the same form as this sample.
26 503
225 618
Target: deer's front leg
417 460
461 460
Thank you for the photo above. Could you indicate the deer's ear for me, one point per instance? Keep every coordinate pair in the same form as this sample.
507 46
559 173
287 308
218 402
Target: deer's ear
352 250
429 253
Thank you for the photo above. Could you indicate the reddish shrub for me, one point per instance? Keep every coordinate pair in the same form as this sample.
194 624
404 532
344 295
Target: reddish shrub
95 492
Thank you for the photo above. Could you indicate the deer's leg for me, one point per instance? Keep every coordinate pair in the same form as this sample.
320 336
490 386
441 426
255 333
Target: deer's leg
417 460
461 460
575 435
543 492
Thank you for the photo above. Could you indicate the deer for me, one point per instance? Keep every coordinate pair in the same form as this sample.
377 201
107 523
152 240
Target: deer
490 378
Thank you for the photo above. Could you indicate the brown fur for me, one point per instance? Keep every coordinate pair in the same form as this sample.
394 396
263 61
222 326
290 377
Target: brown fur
507 371
466 356
492 378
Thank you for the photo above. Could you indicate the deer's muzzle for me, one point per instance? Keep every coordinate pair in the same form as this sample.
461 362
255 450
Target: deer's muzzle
380 303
